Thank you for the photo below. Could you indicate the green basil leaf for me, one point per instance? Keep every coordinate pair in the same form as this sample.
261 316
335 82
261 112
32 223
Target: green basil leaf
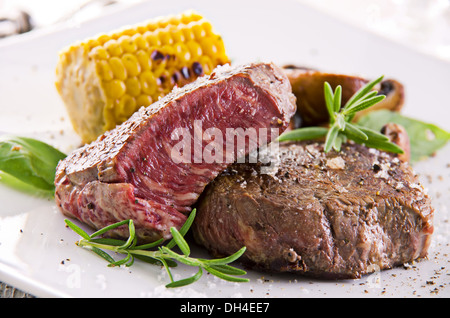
425 138
31 161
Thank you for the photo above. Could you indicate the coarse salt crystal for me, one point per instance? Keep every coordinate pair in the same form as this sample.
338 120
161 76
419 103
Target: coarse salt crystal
336 163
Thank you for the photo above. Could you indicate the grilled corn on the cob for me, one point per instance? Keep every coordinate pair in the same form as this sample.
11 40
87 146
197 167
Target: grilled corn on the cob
104 80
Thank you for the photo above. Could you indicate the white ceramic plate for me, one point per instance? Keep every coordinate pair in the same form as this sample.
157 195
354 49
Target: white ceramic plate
37 251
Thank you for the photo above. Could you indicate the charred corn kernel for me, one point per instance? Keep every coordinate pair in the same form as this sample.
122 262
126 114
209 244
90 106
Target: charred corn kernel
103 80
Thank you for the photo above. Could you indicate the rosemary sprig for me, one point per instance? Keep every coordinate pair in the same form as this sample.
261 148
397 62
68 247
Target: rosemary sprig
341 127
162 255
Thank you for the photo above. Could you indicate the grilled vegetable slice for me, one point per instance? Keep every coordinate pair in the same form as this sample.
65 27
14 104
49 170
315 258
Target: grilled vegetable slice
104 80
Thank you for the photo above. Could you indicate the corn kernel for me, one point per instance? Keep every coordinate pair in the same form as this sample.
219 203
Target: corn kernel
108 118
152 39
148 82
174 20
177 35
199 32
163 22
195 49
207 27
99 52
220 45
127 43
133 86
143 100
109 103
104 71
182 53
152 25
125 107
102 39
188 34
165 37
118 68
190 16
113 48
141 29
207 64
114 89
92 43
131 64
144 60
141 43
209 46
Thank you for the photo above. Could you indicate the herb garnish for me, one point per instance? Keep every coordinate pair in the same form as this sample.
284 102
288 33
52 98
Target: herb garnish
163 255
425 138
341 127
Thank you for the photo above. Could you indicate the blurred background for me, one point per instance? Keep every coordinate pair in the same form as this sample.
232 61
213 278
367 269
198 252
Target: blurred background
421 24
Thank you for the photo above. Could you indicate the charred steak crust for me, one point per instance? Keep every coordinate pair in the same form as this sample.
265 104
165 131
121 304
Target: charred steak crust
336 215
129 173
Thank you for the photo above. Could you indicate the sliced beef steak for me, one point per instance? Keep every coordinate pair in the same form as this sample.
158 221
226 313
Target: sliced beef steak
133 172
334 215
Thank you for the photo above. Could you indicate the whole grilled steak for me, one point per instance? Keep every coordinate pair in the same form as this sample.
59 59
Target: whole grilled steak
132 172
334 215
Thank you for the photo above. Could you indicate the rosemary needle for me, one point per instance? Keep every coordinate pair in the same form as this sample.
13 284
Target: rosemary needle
162 255
341 127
